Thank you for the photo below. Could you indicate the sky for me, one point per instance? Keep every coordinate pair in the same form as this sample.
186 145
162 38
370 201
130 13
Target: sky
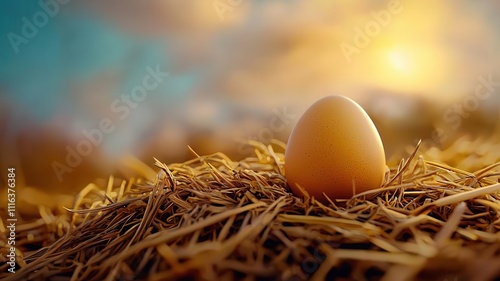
224 68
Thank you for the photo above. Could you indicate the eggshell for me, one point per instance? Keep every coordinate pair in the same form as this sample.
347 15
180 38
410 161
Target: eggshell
333 148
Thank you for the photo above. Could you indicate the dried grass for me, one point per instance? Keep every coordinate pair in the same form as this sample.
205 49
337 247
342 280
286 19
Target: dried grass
214 219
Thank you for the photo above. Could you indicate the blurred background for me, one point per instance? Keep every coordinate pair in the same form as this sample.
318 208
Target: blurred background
84 84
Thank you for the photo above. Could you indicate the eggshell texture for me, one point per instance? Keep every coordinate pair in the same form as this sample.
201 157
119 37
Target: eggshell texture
333 145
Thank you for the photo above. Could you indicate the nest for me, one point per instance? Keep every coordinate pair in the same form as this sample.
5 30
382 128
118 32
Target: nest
212 218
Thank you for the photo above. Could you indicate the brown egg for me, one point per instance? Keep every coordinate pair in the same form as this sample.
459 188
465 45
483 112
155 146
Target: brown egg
334 149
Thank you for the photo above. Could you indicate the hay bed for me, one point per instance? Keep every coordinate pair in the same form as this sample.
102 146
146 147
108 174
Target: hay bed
214 219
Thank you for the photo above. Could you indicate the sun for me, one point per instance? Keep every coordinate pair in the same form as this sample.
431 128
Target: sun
407 67
399 60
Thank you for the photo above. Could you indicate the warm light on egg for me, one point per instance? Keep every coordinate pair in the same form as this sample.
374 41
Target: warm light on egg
334 150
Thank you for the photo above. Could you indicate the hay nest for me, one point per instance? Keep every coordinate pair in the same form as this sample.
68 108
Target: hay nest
211 218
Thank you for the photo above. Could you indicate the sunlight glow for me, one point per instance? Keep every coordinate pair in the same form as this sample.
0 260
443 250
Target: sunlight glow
399 61
405 67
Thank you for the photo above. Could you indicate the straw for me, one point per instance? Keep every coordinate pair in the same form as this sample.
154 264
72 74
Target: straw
213 218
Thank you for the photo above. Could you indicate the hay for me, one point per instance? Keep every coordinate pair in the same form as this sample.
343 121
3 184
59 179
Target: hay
214 219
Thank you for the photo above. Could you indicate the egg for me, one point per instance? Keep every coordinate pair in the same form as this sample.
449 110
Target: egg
334 149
